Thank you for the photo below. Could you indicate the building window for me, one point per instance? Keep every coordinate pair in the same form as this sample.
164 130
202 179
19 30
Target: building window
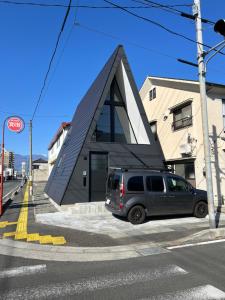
113 124
153 126
223 109
184 169
182 117
152 94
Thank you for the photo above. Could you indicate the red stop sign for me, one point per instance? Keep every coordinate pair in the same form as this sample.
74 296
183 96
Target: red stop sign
15 124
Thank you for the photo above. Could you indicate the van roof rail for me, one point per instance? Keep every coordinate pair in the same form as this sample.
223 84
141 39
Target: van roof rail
126 169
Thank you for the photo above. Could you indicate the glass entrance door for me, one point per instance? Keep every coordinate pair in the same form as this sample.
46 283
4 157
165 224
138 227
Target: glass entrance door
98 175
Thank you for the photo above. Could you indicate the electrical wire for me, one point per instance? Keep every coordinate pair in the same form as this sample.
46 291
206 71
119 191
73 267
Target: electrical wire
160 6
62 52
171 9
122 39
63 5
109 35
158 25
52 58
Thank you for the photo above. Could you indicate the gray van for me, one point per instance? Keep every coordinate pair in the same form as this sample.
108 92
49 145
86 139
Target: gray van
137 193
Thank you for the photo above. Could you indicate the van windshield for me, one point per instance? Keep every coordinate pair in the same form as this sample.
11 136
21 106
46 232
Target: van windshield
114 181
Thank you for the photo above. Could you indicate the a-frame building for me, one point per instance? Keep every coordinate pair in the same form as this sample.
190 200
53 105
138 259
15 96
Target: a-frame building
109 129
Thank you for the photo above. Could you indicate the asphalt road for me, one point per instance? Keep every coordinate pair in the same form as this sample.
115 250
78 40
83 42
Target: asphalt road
9 186
187 273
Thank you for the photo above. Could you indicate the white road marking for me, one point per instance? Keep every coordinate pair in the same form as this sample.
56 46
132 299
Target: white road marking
93 284
196 244
24 270
205 292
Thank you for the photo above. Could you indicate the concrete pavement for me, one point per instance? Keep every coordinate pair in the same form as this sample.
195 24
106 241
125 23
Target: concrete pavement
93 236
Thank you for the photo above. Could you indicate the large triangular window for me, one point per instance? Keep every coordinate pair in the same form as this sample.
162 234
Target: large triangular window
114 124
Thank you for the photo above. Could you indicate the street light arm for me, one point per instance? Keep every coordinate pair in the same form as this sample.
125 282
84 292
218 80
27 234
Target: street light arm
213 48
218 50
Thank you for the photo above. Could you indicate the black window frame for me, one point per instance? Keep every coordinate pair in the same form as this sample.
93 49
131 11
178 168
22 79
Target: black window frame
185 121
152 94
112 110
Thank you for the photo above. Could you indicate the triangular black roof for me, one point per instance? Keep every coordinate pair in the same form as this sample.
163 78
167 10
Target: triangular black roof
81 122
88 110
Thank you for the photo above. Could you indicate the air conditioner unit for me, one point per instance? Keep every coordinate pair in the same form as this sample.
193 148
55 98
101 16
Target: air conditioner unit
185 149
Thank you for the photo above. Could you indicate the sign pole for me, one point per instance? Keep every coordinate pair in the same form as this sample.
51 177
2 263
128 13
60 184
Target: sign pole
15 124
2 169
31 175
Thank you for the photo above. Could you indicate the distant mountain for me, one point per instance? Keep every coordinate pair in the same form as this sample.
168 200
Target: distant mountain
20 158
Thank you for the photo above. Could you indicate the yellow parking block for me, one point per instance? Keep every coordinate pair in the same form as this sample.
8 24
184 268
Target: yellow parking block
3 224
21 228
45 239
7 234
33 237
6 223
20 236
11 223
58 240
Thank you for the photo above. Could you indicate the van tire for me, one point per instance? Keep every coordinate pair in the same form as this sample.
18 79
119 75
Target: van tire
136 215
201 209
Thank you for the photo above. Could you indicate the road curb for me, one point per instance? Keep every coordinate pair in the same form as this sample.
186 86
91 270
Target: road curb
78 254
91 254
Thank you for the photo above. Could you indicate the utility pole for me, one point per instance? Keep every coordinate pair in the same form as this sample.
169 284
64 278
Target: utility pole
205 127
30 165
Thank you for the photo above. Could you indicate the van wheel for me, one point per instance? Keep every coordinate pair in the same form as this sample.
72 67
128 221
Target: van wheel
200 210
136 215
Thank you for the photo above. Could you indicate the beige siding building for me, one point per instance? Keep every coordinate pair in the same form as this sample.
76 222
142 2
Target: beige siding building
173 109
56 144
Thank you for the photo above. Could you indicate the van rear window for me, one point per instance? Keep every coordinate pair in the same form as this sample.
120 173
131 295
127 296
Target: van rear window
114 181
135 184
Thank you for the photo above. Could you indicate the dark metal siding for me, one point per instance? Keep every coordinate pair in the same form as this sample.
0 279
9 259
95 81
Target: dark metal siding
65 184
120 155
82 119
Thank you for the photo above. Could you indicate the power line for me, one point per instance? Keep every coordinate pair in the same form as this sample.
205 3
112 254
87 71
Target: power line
63 5
109 35
157 24
171 9
160 6
62 52
122 39
52 57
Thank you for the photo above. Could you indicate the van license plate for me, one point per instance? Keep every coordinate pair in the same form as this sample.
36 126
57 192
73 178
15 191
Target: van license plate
107 201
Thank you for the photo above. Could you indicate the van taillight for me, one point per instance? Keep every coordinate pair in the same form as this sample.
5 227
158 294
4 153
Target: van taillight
122 189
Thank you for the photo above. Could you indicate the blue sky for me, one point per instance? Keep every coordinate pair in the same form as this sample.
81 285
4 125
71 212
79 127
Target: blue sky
28 37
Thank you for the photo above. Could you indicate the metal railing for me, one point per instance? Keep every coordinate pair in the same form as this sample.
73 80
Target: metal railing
182 123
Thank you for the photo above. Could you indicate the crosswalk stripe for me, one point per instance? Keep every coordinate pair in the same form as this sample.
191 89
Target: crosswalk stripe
24 270
94 283
205 292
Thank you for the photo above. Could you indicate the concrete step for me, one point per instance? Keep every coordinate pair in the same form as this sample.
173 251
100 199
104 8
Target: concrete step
91 208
